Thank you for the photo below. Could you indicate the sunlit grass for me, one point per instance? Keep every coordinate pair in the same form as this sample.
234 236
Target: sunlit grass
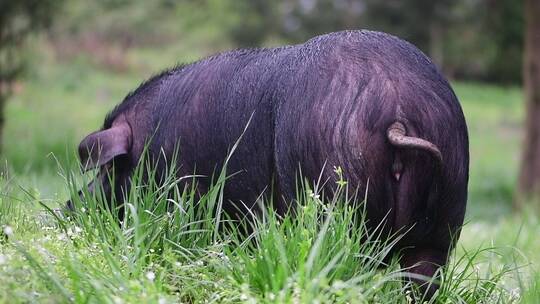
172 244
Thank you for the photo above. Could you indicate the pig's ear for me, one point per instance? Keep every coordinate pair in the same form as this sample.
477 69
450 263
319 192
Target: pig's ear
101 147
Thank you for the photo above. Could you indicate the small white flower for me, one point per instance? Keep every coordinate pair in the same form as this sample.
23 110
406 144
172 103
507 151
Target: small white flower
8 230
150 276
3 259
162 301
117 300
312 194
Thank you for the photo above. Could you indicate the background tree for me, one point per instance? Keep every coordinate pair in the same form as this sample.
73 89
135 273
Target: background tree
503 24
17 20
257 19
489 32
305 19
529 179
422 22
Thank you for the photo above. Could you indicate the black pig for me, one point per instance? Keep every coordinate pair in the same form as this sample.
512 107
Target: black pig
365 101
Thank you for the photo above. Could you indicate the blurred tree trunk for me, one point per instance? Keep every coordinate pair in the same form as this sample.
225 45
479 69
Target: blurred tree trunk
529 178
17 20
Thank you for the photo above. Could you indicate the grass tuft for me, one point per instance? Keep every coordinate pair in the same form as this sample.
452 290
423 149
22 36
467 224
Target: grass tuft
170 243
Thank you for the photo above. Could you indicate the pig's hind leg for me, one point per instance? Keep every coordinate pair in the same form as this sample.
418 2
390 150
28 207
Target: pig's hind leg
423 264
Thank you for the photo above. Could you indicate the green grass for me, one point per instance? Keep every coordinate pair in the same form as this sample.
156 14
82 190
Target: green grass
159 255
173 245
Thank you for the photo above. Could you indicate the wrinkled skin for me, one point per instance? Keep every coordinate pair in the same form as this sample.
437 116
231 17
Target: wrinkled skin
325 103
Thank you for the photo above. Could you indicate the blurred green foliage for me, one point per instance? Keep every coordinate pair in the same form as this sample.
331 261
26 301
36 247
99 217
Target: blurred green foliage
18 19
506 24
468 39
